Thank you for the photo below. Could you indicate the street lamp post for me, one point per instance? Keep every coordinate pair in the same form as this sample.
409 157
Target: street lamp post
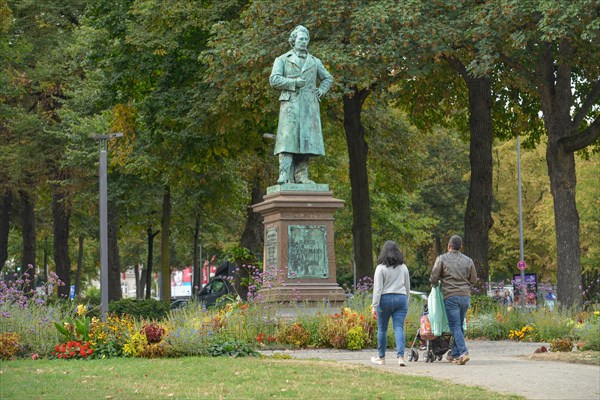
102 169
521 250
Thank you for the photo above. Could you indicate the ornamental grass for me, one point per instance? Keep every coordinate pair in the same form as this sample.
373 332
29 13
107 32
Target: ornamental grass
39 326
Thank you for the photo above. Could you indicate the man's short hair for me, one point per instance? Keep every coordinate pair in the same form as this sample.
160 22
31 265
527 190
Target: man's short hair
455 242
294 34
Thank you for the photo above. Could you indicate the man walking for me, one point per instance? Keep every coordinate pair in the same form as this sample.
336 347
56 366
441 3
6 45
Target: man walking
457 273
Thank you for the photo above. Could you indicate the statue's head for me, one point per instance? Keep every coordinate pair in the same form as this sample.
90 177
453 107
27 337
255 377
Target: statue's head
295 32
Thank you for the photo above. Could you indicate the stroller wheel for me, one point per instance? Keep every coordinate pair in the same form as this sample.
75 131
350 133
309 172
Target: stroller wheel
440 358
431 356
414 355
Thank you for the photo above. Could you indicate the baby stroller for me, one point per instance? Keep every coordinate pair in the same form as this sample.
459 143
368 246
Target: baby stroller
435 346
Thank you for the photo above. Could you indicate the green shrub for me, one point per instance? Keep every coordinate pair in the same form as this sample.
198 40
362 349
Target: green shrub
549 324
35 324
220 345
481 304
187 341
91 296
356 338
135 344
588 333
149 309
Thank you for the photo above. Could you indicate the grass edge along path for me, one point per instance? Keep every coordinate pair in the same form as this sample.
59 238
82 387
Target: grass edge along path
219 378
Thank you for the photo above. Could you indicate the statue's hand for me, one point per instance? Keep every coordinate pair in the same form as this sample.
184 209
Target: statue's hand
300 82
320 93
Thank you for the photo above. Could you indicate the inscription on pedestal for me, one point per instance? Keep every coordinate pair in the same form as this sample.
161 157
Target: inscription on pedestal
307 251
271 250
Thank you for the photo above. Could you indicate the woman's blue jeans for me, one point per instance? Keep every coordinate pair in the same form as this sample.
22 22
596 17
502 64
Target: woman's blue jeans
456 310
395 306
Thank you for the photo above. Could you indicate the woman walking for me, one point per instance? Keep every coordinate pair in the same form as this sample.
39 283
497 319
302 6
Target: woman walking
391 289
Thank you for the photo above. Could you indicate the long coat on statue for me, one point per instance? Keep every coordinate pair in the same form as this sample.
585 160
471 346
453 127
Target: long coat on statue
299 129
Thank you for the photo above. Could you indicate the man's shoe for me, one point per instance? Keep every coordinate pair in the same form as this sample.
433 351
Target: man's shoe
462 360
450 358
401 362
377 360
283 178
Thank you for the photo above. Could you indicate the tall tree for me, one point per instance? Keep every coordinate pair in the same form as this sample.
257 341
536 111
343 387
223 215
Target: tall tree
41 33
147 52
553 50
435 48
6 194
362 59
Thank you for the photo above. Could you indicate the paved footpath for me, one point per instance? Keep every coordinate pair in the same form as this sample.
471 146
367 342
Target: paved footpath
501 366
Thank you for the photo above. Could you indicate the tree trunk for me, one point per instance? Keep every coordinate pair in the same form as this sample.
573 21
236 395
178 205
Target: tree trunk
61 214
138 282
362 243
5 204
165 268
561 169
197 271
149 261
252 237
142 284
45 260
114 263
478 214
28 232
438 246
556 99
79 265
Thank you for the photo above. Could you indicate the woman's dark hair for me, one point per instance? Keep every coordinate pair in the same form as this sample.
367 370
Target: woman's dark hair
390 255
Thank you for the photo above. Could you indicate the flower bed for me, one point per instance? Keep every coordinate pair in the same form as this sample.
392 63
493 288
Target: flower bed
65 331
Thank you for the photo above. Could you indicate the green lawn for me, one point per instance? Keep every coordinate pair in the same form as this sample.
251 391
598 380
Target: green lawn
218 378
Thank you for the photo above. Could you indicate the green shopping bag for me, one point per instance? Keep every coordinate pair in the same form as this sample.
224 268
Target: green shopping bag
437 311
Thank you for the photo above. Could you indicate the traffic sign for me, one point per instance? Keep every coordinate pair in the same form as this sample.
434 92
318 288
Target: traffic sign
521 265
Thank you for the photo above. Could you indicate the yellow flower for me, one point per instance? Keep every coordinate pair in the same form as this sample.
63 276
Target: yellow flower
81 310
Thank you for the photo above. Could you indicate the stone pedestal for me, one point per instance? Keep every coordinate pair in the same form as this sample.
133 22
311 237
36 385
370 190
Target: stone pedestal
299 254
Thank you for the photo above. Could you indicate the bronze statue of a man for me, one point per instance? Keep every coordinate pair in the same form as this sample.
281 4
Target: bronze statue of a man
299 134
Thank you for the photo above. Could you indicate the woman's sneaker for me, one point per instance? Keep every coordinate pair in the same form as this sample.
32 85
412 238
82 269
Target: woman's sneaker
401 362
462 360
377 360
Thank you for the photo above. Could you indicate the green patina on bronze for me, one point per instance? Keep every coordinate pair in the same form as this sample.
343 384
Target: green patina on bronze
303 80
298 187
307 251
271 250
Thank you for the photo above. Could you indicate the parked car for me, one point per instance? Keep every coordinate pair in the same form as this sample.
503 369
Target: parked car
216 288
